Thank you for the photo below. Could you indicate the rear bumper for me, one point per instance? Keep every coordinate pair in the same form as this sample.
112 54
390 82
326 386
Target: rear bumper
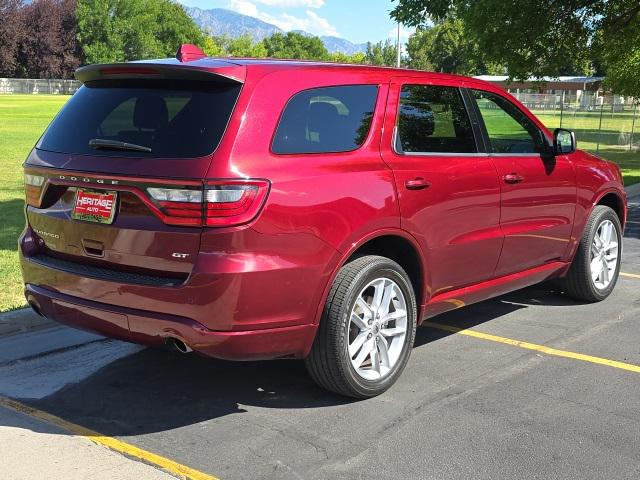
154 328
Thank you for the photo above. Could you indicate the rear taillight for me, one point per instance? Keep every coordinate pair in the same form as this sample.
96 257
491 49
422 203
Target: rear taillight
221 203
178 206
233 202
32 188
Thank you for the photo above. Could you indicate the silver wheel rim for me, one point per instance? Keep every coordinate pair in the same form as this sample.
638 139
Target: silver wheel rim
377 329
604 255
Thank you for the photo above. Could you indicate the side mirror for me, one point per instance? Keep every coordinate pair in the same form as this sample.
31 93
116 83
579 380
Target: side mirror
564 141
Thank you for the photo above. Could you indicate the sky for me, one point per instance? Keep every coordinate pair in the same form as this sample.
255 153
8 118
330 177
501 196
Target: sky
356 20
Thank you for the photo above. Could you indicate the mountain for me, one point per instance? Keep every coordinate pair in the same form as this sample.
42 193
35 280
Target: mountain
337 44
220 21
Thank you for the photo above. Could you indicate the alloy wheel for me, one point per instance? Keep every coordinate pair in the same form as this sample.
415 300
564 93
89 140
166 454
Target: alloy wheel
604 254
377 329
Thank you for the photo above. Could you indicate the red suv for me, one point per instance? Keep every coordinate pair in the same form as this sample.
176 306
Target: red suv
253 209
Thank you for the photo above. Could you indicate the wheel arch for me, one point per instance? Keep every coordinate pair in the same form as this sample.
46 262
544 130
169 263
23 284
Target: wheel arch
396 244
615 201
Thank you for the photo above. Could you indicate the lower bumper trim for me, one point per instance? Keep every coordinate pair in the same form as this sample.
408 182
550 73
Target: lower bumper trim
154 328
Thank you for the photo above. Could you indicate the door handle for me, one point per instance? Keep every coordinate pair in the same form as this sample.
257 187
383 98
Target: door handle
418 183
513 178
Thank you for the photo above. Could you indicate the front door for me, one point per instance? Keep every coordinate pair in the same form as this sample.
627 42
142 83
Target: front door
538 191
447 186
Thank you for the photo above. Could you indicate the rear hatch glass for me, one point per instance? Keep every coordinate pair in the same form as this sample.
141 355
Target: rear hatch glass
143 119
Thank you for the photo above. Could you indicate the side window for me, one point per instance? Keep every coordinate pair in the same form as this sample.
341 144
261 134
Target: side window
433 119
509 129
326 120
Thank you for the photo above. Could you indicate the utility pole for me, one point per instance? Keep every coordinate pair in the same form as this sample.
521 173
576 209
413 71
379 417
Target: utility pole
398 48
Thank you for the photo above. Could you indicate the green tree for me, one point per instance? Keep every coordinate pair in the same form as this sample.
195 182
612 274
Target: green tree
381 53
243 46
121 30
339 57
420 49
295 45
543 37
212 47
446 47
621 58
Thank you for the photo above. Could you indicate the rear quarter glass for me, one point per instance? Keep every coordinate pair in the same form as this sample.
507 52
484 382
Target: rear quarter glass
326 120
174 118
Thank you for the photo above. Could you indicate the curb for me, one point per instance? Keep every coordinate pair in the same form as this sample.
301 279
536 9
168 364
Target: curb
22 320
44 341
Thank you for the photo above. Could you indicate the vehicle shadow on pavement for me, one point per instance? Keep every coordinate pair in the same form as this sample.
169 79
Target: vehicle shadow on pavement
159 390
471 316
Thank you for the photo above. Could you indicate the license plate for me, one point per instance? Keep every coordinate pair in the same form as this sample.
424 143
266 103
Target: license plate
94 206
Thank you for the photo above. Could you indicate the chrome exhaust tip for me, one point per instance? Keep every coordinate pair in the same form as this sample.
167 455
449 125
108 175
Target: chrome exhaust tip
179 345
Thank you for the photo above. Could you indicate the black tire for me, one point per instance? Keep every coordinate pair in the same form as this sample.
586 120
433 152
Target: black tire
329 363
578 282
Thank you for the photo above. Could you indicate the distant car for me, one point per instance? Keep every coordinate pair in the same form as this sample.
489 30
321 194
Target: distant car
256 209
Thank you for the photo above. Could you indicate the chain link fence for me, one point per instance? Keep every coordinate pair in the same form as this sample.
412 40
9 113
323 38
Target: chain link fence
38 86
601 122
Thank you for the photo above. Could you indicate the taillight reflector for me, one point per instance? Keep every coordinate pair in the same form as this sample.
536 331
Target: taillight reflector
32 188
34 180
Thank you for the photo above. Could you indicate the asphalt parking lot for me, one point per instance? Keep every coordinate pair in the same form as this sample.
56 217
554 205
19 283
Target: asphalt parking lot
479 407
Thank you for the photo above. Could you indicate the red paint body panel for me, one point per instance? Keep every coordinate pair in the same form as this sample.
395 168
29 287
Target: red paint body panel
456 220
537 214
257 290
447 301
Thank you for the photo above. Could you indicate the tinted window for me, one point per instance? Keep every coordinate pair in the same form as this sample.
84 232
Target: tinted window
172 118
433 119
509 129
331 119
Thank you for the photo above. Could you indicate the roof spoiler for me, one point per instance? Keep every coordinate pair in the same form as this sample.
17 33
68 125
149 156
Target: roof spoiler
214 71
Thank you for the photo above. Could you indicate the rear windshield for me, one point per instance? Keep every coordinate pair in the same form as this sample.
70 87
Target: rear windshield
164 119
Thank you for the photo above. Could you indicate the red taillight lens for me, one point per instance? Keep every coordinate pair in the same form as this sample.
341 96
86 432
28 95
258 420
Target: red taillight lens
178 206
224 203
230 203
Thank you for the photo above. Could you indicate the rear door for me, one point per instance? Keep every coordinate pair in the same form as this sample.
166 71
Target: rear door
115 184
447 186
538 192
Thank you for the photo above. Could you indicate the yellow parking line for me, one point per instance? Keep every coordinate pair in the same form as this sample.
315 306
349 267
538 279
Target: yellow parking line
174 468
539 348
630 275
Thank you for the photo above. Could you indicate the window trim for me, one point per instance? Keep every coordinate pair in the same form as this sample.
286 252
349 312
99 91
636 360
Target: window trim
339 152
485 132
478 140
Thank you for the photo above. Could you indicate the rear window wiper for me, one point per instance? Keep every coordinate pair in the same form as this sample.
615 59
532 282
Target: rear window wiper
103 144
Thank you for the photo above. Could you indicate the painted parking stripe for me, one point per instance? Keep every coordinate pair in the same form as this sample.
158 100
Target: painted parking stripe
629 275
532 346
171 467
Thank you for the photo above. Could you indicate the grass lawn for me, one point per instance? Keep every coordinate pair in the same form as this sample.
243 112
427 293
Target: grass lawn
612 141
23 118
